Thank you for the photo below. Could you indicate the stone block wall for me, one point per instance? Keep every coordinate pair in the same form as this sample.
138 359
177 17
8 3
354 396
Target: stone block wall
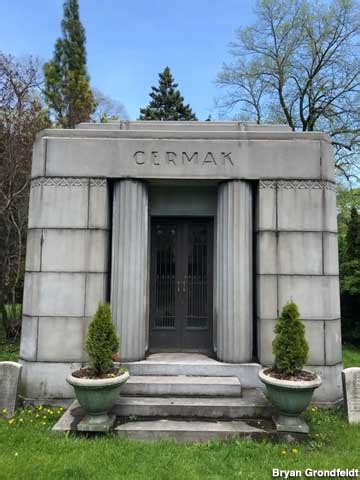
67 266
297 259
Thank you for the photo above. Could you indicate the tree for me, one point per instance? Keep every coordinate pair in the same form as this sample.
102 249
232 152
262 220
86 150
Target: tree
349 261
67 88
299 65
353 235
107 109
289 345
101 341
22 115
166 101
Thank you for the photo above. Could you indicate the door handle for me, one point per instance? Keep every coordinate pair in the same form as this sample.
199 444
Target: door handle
183 282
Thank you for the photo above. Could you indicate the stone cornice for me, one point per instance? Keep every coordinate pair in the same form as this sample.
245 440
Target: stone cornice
196 134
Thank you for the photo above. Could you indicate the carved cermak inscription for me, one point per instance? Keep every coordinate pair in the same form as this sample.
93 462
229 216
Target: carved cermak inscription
181 158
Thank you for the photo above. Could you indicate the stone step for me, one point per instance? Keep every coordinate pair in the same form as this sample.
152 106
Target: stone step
182 385
173 364
252 404
190 431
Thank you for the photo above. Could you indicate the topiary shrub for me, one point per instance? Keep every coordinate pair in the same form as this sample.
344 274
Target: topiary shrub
101 341
289 345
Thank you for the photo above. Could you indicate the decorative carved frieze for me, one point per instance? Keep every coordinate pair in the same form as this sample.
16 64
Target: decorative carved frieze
67 182
98 182
297 185
272 184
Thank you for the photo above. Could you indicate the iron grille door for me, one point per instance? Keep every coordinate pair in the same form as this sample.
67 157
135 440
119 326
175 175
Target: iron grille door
164 302
196 327
181 284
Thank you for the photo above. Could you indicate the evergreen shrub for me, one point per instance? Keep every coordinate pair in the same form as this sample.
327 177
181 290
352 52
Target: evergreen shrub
101 341
289 345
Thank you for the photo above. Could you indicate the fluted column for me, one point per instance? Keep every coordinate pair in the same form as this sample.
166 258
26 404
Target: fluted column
129 267
234 272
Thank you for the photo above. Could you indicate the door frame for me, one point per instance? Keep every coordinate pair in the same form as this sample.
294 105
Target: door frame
210 220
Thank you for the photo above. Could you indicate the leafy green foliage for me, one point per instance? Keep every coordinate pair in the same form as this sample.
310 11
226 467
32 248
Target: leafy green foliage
11 319
289 345
166 102
350 277
349 259
353 235
67 88
9 348
101 341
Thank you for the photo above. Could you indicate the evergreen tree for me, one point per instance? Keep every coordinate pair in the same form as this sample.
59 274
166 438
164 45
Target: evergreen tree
166 101
348 202
67 88
350 263
101 341
353 235
289 345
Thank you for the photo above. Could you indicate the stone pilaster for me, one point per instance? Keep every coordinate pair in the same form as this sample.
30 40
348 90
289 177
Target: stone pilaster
129 267
234 272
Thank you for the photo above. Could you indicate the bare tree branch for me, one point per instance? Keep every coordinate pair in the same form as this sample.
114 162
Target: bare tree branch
21 117
306 55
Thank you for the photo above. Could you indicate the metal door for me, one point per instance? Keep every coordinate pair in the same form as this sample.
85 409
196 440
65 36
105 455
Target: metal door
181 284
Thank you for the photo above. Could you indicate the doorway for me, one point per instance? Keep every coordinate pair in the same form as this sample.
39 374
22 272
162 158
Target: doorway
181 284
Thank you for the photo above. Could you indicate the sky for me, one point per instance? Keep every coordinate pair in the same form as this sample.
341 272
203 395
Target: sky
130 42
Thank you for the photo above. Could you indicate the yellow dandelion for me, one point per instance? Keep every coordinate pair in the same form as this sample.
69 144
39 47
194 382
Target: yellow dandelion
11 421
295 450
313 409
21 419
317 435
40 407
16 454
43 423
44 417
4 411
284 452
37 415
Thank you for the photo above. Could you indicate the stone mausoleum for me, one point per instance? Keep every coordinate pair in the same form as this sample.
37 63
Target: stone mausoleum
197 233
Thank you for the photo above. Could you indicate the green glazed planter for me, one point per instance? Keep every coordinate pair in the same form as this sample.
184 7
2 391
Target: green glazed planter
291 399
97 397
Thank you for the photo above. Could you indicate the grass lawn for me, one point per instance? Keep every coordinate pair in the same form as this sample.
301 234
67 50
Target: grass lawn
28 450
351 356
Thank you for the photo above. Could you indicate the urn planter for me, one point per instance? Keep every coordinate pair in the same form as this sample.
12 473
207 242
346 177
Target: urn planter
97 397
290 398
